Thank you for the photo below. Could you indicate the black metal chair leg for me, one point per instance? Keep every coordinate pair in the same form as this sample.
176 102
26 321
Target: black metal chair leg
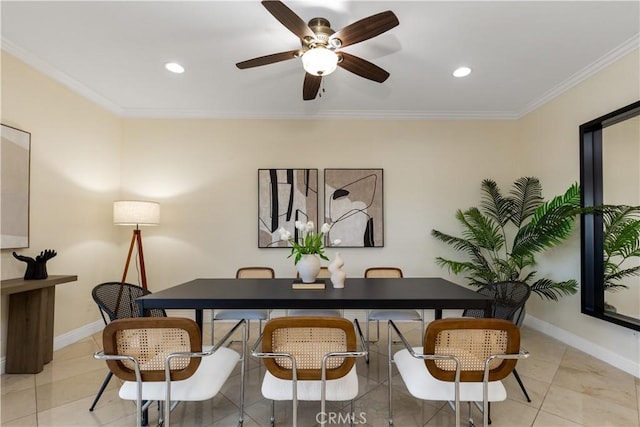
102 388
524 390
489 414
145 415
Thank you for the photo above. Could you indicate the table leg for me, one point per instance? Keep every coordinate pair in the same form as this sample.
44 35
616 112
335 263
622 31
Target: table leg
199 318
488 309
438 313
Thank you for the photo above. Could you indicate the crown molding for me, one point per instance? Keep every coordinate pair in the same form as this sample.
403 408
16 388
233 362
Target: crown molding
595 67
50 71
39 64
331 114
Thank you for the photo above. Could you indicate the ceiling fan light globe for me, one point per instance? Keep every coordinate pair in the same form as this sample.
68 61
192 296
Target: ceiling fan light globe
320 61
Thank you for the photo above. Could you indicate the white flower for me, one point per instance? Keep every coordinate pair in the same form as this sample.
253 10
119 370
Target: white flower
300 225
336 242
310 226
284 234
325 228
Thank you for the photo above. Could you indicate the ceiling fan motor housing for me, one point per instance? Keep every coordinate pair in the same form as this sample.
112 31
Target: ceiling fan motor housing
322 29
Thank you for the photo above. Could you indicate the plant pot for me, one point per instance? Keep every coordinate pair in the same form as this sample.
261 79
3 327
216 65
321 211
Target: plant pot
308 268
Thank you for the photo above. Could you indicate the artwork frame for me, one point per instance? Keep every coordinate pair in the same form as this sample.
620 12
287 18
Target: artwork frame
354 205
285 195
15 171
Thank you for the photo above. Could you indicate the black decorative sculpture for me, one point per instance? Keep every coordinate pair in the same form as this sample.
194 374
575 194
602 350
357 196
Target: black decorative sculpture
36 268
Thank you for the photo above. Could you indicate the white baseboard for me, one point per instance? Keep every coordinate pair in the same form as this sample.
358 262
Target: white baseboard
77 334
592 349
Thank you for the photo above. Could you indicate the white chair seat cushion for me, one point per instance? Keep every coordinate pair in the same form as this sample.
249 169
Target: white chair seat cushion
422 385
394 315
316 312
241 314
341 389
204 384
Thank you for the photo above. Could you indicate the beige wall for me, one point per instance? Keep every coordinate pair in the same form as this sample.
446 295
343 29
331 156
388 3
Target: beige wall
552 152
204 174
75 176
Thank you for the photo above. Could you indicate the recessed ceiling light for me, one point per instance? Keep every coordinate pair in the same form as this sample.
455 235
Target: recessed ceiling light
462 72
174 67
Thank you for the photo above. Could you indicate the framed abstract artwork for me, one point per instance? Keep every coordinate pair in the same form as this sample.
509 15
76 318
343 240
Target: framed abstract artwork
284 197
14 185
353 205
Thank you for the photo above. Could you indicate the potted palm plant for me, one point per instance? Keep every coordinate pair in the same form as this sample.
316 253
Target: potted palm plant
502 237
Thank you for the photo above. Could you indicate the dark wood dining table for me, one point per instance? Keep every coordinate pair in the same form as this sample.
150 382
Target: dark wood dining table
358 293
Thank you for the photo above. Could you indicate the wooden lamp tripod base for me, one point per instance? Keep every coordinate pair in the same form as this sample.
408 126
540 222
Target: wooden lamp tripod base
136 239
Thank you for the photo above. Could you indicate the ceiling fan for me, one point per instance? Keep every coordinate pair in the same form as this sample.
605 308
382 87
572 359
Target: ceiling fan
320 52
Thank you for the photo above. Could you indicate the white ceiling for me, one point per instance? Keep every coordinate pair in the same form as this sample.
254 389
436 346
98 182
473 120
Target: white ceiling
523 53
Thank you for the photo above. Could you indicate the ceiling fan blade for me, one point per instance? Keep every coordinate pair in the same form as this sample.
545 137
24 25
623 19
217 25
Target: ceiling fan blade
288 18
366 28
362 68
311 86
267 59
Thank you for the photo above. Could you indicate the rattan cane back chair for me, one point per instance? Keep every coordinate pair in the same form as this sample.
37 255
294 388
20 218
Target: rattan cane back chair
509 299
472 343
317 351
117 300
166 354
461 360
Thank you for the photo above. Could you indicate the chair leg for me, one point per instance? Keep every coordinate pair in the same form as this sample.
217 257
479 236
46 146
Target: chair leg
213 322
362 338
352 414
244 339
273 413
243 376
102 388
489 413
366 321
524 390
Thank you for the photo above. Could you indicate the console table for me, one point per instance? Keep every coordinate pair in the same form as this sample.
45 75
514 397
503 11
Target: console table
30 330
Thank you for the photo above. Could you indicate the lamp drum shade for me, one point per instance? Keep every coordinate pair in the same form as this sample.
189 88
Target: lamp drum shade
135 212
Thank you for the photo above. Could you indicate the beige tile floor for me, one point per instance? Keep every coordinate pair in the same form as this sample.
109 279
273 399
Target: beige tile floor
567 387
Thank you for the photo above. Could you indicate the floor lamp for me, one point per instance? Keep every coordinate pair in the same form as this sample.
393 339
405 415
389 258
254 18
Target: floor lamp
134 212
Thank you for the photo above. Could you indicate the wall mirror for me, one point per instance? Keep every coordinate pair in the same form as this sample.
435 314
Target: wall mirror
14 185
609 174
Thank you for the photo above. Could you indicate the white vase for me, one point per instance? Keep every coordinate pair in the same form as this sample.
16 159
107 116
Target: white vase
337 273
308 268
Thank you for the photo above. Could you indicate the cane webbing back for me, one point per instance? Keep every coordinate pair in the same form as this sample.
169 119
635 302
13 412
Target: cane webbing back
255 273
383 272
472 341
150 341
118 300
308 339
